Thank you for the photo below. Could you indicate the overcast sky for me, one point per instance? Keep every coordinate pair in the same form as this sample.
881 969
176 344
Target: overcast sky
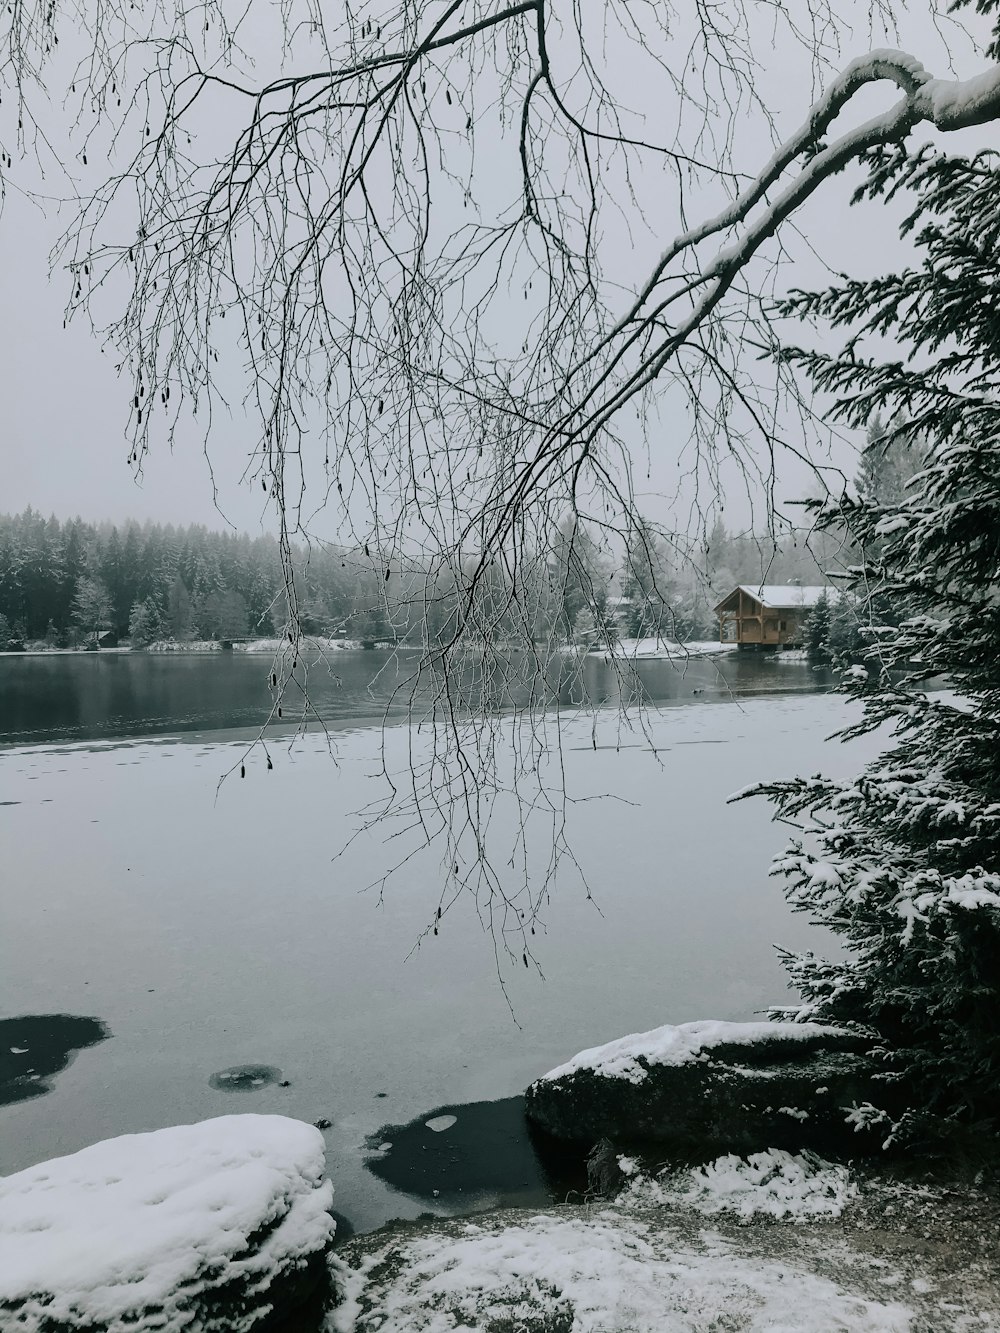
63 409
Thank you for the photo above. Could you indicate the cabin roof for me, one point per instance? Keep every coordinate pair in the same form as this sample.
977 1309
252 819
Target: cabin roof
783 596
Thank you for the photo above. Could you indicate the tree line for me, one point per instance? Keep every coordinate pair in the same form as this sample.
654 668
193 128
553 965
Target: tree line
71 583
62 583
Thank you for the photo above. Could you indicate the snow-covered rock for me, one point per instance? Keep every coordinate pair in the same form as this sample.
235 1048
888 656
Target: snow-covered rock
221 1225
710 1085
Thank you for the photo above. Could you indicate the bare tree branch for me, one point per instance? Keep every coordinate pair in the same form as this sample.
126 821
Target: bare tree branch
393 257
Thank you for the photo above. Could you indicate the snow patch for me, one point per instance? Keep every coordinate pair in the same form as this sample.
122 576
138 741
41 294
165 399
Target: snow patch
308 641
775 1183
679 1045
667 648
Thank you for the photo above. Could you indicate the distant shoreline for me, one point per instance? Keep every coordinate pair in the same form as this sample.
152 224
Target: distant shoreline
202 646
625 649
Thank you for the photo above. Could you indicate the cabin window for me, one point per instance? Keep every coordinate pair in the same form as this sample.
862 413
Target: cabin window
782 624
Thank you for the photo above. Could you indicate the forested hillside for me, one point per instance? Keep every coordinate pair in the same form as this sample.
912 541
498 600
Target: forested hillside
65 584
63 581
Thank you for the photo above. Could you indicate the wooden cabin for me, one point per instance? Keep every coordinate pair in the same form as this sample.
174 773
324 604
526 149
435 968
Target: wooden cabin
771 615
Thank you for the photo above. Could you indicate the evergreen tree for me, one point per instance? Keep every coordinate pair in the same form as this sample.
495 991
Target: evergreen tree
370 626
890 458
130 576
645 586
903 861
92 608
852 626
179 618
224 615
144 623
71 563
115 578
578 576
816 633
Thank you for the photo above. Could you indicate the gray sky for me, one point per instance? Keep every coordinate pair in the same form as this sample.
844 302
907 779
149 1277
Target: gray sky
64 409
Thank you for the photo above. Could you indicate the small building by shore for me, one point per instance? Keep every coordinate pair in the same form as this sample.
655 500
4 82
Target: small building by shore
770 615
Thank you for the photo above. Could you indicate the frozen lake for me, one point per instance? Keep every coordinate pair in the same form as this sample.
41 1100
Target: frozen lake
208 933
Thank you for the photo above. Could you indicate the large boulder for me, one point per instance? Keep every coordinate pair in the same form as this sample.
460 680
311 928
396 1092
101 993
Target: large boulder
712 1086
222 1225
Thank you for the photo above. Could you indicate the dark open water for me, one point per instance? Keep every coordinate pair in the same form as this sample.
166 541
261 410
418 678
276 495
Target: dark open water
49 697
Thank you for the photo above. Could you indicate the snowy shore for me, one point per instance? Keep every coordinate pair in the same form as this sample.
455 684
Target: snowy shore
883 1256
222 1226
667 650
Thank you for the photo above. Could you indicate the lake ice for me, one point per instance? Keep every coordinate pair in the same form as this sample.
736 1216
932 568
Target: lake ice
213 932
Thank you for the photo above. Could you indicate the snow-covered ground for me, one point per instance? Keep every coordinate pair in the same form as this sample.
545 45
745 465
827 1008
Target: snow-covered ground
789 655
599 1274
774 1183
267 645
666 648
137 1231
776 1243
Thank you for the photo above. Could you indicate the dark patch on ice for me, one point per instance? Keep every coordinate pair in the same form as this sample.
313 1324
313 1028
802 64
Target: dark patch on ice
10 802
34 1047
245 1078
490 1149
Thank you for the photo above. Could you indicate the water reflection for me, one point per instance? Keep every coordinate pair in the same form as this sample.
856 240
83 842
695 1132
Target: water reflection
90 696
456 1154
36 1046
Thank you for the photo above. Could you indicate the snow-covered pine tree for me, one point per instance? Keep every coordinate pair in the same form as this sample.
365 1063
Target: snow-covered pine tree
817 632
888 461
903 861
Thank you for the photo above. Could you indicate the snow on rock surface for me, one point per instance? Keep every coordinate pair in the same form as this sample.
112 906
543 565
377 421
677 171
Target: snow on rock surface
712 1087
630 1057
207 1226
610 1272
774 1183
